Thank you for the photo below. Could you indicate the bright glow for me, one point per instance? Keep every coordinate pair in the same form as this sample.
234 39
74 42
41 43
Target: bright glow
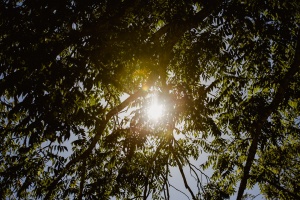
155 111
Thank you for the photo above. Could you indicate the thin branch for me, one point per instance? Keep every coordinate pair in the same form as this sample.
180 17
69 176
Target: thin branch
152 160
192 169
255 196
182 174
196 177
82 179
145 196
179 191
167 181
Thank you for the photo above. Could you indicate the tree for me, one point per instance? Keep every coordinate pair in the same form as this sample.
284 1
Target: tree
78 76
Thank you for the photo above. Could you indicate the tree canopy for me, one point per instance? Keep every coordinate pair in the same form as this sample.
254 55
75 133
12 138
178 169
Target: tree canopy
77 78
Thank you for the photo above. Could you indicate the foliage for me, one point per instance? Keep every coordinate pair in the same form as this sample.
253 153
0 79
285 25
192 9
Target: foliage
76 78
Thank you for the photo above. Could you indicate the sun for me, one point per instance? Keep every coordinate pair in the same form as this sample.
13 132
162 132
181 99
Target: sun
155 110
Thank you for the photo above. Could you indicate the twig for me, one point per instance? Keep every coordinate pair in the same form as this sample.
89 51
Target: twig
180 191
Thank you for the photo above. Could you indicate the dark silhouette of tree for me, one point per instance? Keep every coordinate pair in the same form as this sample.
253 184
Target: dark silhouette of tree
77 78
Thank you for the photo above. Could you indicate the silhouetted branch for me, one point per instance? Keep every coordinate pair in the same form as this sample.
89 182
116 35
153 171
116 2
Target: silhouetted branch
179 191
182 173
82 178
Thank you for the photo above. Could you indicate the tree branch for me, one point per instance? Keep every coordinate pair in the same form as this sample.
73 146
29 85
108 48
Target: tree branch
179 191
82 179
145 196
182 174
256 132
